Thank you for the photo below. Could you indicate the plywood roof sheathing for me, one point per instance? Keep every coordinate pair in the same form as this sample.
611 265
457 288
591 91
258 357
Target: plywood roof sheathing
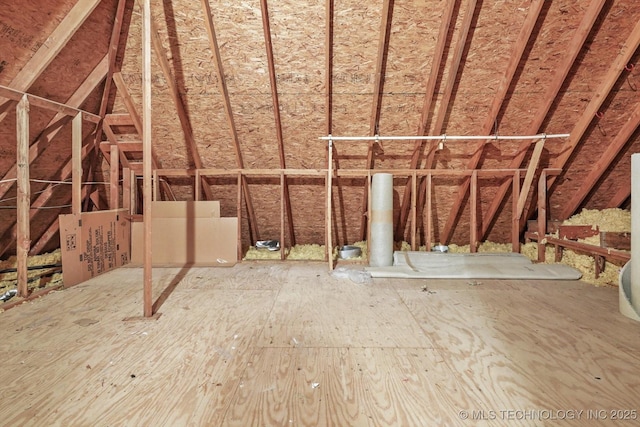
516 54
48 51
581 33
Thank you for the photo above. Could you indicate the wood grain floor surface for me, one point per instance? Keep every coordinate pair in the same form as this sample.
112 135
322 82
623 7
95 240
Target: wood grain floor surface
288 344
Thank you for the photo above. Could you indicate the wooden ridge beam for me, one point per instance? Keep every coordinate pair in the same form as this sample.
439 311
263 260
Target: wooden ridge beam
516 55
603 163
49 50
278 122
600 95
426 108
378 89
222 86
572 51
54 126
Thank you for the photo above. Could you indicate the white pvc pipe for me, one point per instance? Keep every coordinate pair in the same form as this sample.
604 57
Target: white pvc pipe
443 137
635 232
381 245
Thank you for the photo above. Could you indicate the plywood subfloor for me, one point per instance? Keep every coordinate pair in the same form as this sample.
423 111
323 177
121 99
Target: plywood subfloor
287 344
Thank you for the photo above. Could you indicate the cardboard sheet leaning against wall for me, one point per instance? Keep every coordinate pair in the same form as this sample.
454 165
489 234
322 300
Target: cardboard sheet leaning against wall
93 243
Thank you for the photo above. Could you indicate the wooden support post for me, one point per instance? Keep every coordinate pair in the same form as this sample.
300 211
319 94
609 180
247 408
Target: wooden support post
126 189
473 205
114 178
155 185
369 217
282 209
428 230
414 213
329 222
239 214
531 170
134 193
515 218
542 215
146 156
197 186
76 159
23 241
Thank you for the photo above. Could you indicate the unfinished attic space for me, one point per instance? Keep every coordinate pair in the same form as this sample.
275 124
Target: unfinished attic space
320 212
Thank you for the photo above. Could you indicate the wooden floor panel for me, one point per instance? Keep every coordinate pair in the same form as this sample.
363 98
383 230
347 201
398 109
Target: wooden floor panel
288 344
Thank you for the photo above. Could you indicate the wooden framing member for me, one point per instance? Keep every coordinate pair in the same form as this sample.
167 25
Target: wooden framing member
276 114
114 178
429 228
528 178
515 218
112 53
414 210
239 214
612 75
222 86
378 88
448 90
551 93
328 54
603 163
621 195
329 219
473 207
23 238
146 154
49 50
76 161
126 189
516 54
426 107
46 194
283 202
56 124
47 104
542 214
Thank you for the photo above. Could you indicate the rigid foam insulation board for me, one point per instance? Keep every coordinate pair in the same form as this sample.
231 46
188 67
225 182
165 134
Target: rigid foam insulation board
186 209
93 243
188 241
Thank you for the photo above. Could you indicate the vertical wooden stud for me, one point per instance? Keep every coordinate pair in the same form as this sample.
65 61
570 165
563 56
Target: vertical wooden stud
428 230
473 202
76 161
414 213
23 238
114 178
542 214
146 155
515 217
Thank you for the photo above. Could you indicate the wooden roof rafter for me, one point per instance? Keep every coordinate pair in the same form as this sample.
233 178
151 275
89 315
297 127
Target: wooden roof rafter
571 53
505 82
178 101
599 96
42 141
106 101
447 16
48 51
603 163
276 114
621 195
378 89
222 86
